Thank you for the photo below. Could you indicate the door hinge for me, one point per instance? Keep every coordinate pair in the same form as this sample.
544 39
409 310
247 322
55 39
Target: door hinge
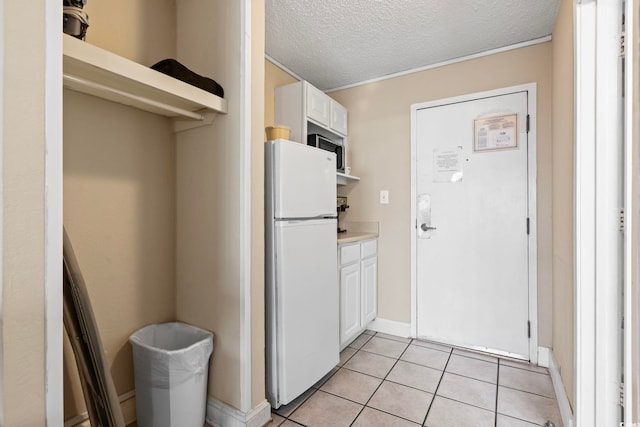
528 226
622 394
528 123
622 219
528 328
623 48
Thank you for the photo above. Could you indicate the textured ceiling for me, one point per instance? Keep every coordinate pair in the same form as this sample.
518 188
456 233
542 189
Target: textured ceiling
333 43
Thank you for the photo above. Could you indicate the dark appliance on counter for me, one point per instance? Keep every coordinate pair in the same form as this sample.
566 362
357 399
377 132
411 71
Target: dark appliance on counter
319 141
341 206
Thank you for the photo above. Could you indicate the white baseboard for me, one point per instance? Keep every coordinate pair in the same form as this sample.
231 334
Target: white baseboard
220 414
544 355
561 395
127 404
391 327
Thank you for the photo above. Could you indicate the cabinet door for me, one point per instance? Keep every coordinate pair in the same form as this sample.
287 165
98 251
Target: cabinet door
318 106
338 118
369 289
349 302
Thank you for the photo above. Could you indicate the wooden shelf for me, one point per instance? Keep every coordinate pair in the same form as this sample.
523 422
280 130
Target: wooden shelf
344 179
94 71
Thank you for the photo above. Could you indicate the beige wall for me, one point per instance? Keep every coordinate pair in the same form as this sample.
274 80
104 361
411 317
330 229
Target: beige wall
257 203
119 195
22 314
119 212
563 212
274 76
380 153
209 179
141 30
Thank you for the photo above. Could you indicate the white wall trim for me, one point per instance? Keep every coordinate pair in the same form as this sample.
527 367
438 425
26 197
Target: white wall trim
1 210
282 67
437 65
584 377
245 207
544 357
561 394
531 88
599 195
83 418
220 414
53 215
391 327
630 407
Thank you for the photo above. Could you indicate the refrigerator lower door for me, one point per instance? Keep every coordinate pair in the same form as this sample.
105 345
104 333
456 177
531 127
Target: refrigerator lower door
307 299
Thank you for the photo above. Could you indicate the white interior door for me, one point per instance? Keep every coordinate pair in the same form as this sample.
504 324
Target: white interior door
472 268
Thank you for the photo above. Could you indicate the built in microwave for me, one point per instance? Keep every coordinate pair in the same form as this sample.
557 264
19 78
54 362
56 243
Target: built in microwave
323 143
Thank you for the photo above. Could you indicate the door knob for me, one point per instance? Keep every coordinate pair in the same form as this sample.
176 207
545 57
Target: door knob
425 227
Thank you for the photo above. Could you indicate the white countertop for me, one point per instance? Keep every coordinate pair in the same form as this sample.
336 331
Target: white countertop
355 236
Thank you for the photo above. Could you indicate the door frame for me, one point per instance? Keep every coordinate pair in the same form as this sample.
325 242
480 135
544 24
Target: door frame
531 88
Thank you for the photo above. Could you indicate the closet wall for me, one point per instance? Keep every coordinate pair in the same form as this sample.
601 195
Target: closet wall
119 195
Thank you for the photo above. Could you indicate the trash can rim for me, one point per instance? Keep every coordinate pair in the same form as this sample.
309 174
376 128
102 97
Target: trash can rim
132 339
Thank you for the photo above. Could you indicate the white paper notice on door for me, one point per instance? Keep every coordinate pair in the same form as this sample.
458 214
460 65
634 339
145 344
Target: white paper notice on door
496 133
447 165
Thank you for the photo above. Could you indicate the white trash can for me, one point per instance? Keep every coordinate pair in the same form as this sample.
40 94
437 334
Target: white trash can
171 366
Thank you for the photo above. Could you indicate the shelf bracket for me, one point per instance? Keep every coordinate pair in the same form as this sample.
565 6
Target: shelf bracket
180 125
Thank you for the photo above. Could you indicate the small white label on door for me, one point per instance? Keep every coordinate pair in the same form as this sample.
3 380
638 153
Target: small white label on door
447 166
496 133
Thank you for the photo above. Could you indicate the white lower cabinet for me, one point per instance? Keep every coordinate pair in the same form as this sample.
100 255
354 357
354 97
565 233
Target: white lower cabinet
358 266
349 301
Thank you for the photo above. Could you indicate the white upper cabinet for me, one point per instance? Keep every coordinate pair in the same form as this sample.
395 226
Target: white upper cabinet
307 110
319 106
338 118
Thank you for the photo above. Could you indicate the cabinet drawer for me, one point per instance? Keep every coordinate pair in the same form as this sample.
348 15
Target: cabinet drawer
369 248
349 254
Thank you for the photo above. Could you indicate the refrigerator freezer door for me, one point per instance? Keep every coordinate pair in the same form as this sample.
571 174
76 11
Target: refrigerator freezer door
307 299
304 181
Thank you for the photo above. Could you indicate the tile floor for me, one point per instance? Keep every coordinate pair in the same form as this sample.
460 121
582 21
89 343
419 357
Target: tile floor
383 380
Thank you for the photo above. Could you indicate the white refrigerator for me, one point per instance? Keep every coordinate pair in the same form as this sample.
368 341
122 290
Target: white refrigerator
301 283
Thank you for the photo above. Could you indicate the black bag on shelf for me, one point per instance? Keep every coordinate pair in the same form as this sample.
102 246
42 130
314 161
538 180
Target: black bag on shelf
173 68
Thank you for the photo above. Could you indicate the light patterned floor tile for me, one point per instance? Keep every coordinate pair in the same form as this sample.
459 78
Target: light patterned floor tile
346 355
467 390
360 341
324 409
385 347
449 413
532 382
529 407
325 378
370 364
373 418
402 401
276 420
523 365
473 368
416 376
290 423
504 421
394 337
432 345
426 356
286 410
474 355
352 385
